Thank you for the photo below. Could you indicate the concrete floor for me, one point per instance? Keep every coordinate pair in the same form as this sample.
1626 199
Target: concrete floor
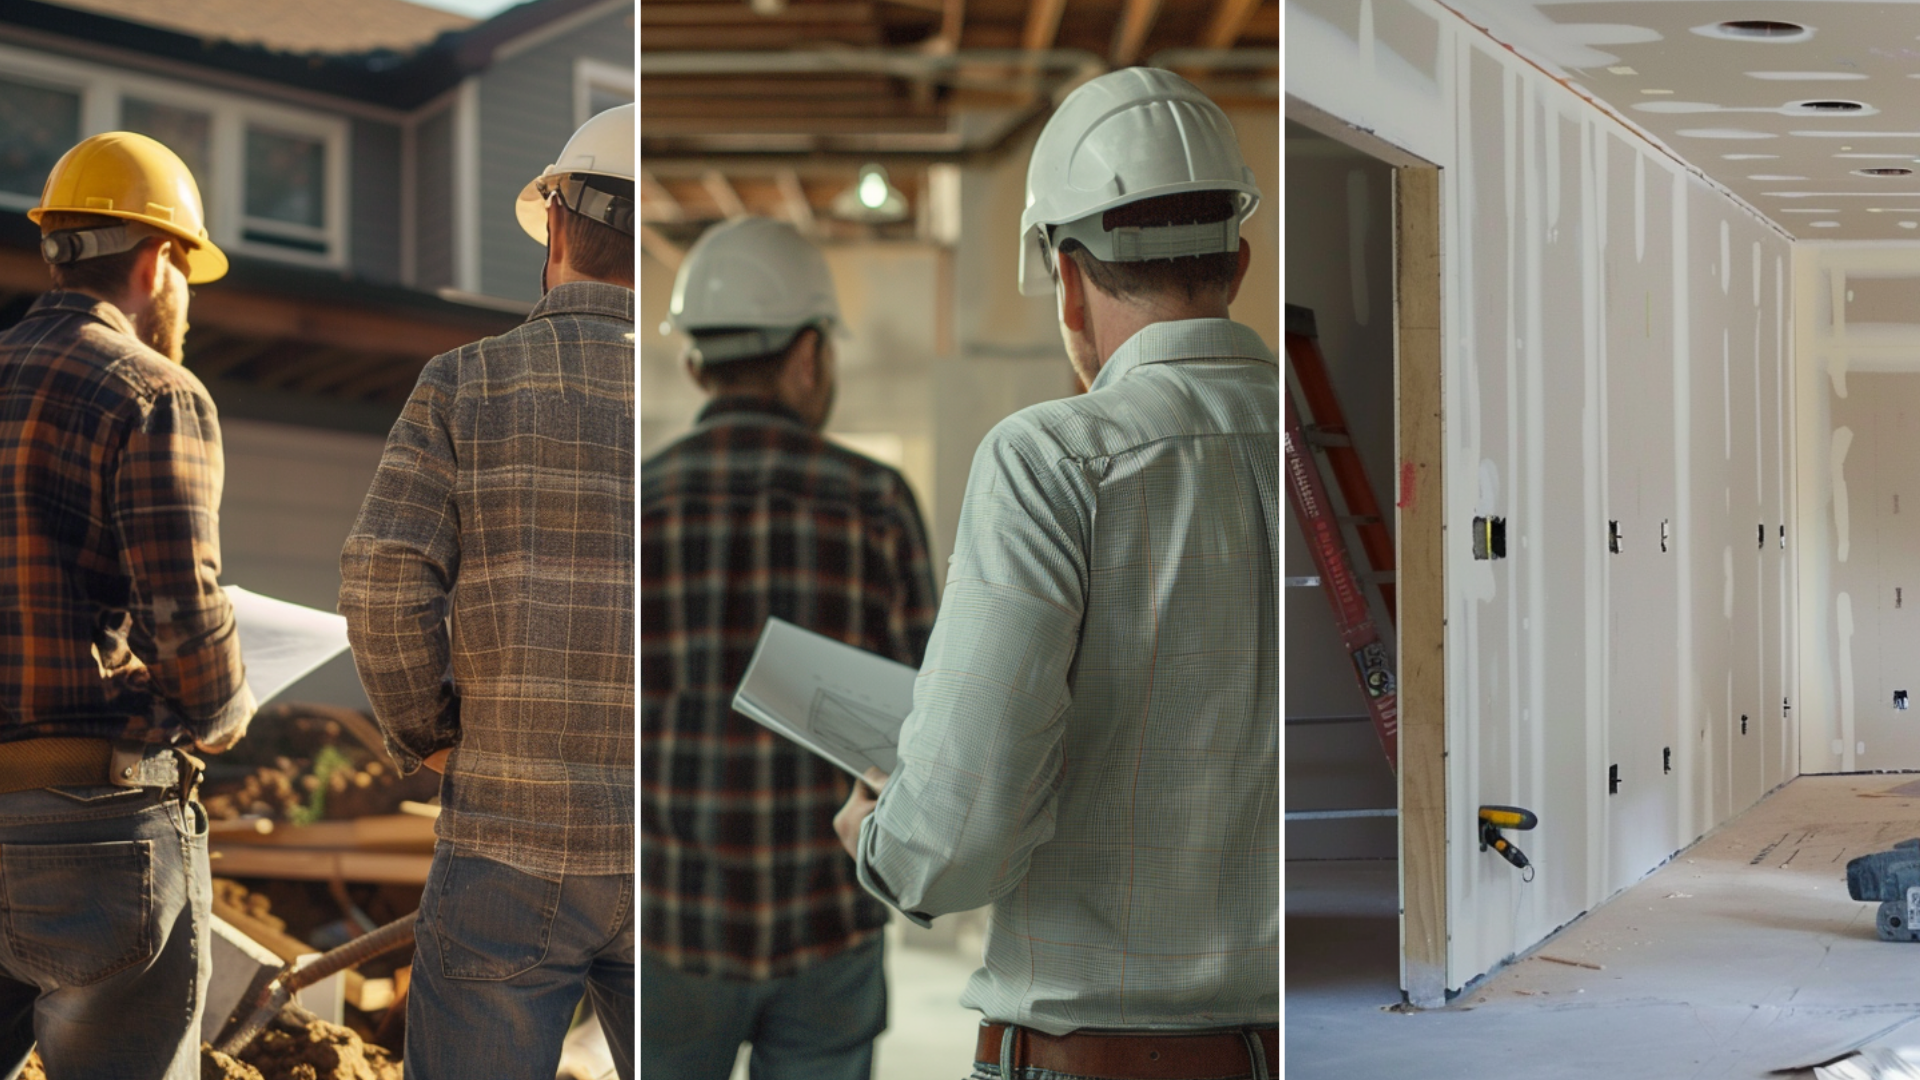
1742 956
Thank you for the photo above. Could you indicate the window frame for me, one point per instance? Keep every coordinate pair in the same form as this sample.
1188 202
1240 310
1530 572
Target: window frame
102 91
588 74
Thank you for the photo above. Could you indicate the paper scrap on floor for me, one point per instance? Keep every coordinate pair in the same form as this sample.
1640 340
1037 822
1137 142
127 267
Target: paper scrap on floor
842 703
281 642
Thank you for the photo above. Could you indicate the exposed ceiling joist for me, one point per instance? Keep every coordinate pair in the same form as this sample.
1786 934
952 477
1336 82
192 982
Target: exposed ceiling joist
794 196
1043 24
953 18
722 193
657 203
720 15
1228 22
668 253
1128 37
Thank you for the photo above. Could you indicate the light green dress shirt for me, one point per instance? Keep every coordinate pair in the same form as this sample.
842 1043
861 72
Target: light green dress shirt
1094 742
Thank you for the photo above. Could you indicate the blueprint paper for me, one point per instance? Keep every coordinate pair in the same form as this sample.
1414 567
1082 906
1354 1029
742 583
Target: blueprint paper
280 642
842 703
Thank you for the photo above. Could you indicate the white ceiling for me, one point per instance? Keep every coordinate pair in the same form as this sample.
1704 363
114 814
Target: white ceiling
1736 108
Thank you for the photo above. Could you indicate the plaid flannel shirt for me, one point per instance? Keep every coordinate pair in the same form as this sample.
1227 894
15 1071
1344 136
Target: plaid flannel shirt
1094 741
112 620
748 516
488 586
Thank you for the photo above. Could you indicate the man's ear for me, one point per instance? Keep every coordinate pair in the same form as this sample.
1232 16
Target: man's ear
801 371
1073 293
1239 271
147 279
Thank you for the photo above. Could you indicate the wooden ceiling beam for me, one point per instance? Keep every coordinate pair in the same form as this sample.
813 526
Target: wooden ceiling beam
669 254
1043 24
793 195
670 126
656 202
765 36
726 15
1136 22
1228 21
722 192
785 107
655 88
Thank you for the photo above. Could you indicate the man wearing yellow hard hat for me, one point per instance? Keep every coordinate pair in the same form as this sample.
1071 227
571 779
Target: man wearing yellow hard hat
488 590
118 650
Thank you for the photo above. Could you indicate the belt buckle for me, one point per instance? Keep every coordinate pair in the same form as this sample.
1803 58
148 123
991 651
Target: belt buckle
136 765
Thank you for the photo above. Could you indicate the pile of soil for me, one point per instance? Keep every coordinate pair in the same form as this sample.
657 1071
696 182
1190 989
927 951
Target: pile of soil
287 1050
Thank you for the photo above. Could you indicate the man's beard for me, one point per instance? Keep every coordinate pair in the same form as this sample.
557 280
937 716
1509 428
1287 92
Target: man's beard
163 325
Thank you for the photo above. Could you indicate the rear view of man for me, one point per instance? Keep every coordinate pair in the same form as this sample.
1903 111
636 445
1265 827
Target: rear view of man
118 649
1094 739
496 547
754 927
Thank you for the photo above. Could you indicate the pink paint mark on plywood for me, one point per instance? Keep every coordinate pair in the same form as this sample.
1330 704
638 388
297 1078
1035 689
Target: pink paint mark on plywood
1409 476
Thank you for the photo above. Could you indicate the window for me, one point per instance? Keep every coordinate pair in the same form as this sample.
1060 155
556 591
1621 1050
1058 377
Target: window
37 125
286 190
598 87
273 178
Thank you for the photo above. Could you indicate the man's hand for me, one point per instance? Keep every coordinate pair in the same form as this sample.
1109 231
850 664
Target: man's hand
437 761
860 802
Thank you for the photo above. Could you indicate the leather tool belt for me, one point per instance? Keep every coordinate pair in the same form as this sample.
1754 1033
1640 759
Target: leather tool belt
73 762
1134 1055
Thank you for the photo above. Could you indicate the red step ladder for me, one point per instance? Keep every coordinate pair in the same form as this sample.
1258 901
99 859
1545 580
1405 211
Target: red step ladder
1307 494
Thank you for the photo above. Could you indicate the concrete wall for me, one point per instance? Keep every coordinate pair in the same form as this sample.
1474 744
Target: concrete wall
1339 210
1857 320
526 116
1615 351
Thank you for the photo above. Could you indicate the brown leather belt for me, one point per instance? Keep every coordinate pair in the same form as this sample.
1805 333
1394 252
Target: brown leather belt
27 764
1143 1055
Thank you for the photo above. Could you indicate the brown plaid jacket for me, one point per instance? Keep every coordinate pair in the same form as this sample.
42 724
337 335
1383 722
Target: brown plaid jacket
752 515
488 586
112 620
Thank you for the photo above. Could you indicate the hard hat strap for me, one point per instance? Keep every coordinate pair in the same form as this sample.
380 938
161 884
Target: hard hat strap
1133 243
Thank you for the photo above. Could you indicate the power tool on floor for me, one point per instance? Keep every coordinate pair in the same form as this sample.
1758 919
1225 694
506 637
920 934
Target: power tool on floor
1893 878
1495 818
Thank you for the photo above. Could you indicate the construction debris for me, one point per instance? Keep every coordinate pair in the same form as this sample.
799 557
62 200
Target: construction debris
316 1050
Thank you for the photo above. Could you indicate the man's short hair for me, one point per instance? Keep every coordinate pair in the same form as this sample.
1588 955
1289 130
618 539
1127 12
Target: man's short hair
748 374
1190 275
598 250
105 275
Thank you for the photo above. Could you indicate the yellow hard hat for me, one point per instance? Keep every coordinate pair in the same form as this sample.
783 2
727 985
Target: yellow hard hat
119 174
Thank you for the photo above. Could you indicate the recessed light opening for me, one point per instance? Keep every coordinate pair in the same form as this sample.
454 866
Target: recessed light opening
1883 172
1829 106
1760 28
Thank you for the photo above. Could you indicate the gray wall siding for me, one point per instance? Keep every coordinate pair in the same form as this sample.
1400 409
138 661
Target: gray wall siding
373 201
526 115
433 214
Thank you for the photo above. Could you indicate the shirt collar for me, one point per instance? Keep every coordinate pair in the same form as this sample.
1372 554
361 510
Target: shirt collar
735 404
1184 339
585 298
60 301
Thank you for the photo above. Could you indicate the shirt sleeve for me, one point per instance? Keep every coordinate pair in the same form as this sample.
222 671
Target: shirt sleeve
167 486
910 619
397 573
980 761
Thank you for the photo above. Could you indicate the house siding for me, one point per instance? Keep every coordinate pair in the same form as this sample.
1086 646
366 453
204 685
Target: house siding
433 206
373 201
526 114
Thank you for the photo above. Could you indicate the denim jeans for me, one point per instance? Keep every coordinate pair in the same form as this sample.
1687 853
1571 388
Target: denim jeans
501 958
104 900
817 1025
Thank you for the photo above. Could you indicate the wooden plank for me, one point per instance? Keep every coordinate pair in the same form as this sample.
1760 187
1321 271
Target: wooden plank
731 38
1422 587
721 15
1135 23
1043 24
311 864
706 87
656 202
847 125
668 253
791 104
794 197
1229 19
953 20
274 940
722 193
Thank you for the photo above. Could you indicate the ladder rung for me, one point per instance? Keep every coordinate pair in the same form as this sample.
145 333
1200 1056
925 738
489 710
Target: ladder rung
1339 815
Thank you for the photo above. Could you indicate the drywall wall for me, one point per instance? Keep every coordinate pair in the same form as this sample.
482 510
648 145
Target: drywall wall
1857 318
1339 210
1616 359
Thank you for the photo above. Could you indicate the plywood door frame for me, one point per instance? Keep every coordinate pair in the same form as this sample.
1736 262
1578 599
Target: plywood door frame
1421 578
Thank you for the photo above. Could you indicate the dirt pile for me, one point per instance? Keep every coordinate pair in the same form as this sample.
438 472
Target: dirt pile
291 1050
215 1065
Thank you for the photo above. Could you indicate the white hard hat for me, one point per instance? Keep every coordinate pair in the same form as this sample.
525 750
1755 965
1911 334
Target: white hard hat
747 286
1129 135
602 147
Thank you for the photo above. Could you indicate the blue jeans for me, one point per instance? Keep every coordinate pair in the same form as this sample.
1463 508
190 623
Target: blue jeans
817 1025
501 957
105 896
